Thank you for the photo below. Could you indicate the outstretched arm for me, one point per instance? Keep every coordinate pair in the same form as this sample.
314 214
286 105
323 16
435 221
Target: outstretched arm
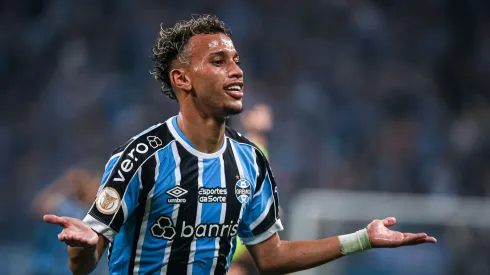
274 256
89 238
85 246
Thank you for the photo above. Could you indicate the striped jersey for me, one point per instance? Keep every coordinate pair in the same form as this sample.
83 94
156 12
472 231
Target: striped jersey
167 208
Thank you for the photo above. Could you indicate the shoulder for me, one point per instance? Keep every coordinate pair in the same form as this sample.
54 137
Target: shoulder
239 138
151 139
235 136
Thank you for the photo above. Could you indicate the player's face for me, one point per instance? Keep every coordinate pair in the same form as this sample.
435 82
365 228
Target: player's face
217 80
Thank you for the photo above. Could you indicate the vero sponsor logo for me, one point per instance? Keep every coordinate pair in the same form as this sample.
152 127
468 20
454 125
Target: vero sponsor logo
135 154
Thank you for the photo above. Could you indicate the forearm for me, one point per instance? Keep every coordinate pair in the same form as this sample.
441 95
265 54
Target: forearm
300 255
82 260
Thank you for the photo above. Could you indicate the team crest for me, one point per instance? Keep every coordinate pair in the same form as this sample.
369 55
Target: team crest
243 190
108 201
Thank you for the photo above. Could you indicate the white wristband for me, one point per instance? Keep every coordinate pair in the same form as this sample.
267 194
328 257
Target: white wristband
355 242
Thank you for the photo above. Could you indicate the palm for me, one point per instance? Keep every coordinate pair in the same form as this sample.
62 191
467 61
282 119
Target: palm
75 232
381 236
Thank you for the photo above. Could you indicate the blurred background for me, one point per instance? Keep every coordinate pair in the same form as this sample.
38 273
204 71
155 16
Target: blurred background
361 96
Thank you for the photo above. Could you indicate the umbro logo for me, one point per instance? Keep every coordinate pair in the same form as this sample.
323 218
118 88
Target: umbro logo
176 193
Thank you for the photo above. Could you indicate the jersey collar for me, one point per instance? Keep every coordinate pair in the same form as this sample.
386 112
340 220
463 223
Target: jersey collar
182 139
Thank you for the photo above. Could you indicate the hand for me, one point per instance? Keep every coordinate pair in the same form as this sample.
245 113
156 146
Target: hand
381 236
75 232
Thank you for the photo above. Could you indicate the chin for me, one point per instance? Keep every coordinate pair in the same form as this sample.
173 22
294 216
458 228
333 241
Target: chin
234 109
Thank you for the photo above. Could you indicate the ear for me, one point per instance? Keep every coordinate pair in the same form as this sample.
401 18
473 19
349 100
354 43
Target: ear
180 79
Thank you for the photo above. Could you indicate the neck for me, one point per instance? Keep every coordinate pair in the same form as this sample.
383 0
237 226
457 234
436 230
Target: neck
206 133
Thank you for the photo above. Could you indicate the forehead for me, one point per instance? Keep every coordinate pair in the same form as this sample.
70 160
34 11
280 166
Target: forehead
204 44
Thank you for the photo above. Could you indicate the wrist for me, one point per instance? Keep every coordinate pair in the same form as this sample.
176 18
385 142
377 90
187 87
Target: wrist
354 242
82 260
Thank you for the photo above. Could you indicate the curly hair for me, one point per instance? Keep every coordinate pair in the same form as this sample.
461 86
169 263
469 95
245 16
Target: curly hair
170 44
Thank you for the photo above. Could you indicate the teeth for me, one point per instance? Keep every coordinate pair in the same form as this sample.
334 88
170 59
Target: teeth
234 87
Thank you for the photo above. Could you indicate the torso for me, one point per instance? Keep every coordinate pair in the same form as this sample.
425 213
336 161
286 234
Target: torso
187 220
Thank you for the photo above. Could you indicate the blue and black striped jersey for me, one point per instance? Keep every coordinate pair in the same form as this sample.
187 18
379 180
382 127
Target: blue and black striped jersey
167 208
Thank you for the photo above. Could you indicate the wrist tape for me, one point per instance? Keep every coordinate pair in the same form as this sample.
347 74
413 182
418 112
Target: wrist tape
355 242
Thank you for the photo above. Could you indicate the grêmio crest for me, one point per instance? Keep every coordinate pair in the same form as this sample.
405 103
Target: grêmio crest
243 190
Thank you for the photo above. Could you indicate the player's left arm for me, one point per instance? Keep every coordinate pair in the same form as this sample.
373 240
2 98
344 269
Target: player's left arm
275 256
260 224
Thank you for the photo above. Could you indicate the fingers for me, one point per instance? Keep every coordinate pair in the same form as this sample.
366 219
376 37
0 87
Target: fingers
74 240
76 244
389 221
420 238
416 242
63 221
430 240
418 235
422 241
53 219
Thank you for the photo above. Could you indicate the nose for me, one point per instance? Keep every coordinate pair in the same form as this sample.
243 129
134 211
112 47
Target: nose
235 71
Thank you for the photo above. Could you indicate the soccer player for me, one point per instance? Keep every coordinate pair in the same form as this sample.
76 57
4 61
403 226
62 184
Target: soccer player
174 197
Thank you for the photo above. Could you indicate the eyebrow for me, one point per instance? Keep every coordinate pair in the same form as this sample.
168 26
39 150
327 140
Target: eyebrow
223 53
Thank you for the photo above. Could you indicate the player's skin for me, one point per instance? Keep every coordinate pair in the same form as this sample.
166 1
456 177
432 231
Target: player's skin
200 87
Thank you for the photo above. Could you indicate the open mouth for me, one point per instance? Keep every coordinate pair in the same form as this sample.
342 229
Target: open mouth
235 90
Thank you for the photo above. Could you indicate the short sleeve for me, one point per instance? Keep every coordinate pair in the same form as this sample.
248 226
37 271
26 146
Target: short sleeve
261 218
121 187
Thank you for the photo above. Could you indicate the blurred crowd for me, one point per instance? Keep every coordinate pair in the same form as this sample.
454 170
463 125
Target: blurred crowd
365 94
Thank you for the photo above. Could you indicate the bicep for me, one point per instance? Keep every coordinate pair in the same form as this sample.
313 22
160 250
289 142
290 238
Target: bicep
261 223
263 253
261 220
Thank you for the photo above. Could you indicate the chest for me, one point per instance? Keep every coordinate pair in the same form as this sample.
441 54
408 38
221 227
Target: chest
206 191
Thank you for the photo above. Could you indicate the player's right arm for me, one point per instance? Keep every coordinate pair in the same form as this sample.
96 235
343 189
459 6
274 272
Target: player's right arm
88 239
122 186
85 246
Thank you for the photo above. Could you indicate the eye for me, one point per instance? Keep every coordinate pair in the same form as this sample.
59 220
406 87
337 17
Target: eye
218 62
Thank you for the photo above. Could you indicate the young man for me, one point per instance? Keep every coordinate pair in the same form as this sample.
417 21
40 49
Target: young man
174 197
